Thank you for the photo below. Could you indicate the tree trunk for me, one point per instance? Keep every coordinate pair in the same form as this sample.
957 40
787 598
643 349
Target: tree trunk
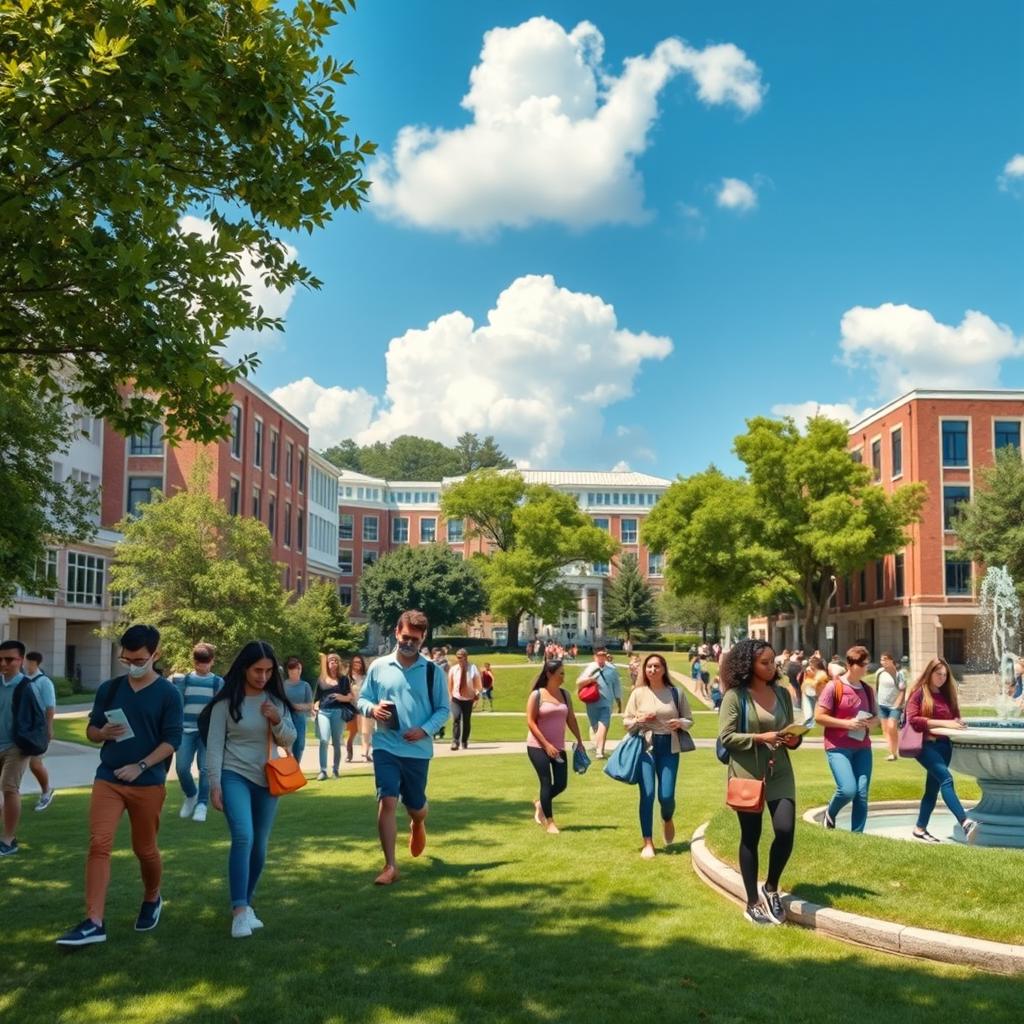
512 641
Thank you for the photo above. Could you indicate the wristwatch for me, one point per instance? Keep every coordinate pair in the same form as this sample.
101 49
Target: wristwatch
142 766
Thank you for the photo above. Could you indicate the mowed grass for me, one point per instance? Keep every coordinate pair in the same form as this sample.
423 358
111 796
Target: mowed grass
496 922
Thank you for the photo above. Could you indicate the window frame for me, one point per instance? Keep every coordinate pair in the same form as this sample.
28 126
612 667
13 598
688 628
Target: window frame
432 539
351 526
154 444
947 563
236 446
943 420
129 510
946 526
375 520
896 444
396 523
635 530
351 562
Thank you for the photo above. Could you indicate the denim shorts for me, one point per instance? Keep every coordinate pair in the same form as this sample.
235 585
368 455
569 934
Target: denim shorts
599 714
884 711
404 777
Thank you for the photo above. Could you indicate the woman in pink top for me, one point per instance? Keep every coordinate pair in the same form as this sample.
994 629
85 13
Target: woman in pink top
848 710
548 711
932 704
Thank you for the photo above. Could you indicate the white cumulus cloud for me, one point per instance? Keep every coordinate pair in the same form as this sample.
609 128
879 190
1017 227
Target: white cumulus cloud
804 411
553 137
1012 178
538 375
735 194
908 348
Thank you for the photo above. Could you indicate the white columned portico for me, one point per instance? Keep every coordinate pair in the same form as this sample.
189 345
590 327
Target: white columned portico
599 626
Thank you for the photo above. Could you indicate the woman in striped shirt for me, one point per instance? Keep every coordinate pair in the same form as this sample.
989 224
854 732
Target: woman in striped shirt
196 688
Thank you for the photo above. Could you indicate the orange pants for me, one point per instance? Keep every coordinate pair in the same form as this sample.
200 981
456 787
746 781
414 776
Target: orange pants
109 802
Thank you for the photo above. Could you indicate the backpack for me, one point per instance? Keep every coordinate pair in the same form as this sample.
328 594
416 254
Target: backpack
29 732
108 703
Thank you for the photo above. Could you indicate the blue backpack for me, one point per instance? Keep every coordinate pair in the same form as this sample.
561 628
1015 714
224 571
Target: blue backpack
30 733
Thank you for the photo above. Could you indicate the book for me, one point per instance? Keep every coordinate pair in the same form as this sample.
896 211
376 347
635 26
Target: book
795 729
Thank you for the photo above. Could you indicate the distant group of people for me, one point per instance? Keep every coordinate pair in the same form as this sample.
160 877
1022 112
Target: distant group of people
551 650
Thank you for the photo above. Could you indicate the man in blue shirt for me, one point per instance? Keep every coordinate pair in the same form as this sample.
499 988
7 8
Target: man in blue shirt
408 697
599 712
13 761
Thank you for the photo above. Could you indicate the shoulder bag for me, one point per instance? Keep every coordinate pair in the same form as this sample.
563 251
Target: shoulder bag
624 763
284 774
911 741
590 691
747 795
684 739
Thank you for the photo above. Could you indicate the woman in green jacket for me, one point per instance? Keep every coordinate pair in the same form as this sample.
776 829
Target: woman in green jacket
754 710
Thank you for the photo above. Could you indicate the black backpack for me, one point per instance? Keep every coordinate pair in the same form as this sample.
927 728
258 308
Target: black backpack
108 703
30 734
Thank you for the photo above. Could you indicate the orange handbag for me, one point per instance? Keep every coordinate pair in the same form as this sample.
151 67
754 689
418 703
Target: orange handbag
284 774
745 795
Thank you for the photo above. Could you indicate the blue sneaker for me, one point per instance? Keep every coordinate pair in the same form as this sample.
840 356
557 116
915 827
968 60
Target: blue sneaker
6 849
84 934
149 914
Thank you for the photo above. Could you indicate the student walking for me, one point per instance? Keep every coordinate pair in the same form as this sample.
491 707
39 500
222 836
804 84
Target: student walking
933 704
848 710
197 688
300 697
891 684
13 761
463 693
409 701
813 682
599 712
660 712
333 692
356 675
138 720
487 686
548 711
247 719
46 696
755 707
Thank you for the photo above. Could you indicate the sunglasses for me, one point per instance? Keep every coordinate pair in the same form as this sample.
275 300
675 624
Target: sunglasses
5 658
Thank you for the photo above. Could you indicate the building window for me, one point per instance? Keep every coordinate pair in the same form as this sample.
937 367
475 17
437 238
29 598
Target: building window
876 458
628 527
602 523
149 442
257 446
345 561
428 531
345 595
257 505
370 530
862 581
300 530
952 499
600 569
400 530
287 581
655 564
85 579
954 443
275 447
300 586
236 431
289 458
880 579
456 531
346 525
287 524
302 471
847 592
958 575
139 491
857 456
272 515
1007 434
235 496
369 558
896 444
899 574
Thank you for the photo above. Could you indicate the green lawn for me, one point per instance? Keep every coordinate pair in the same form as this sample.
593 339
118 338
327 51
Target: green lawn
498 922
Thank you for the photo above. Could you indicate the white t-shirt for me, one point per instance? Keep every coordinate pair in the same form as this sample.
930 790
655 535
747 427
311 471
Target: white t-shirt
455 677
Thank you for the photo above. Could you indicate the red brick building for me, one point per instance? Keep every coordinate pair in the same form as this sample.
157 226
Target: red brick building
920 601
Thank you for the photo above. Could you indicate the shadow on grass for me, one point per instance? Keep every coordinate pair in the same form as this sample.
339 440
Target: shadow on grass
825 893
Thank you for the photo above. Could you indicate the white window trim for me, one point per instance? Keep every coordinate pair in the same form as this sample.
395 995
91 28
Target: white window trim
892 431
373 519
428 519
1019 420
970 442
240 435
270 460
395 522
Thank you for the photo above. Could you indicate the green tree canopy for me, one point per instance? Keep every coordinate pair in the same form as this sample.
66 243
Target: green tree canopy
431 578
317 623
629 604
991 526
537 535
123 116
418 458
805 513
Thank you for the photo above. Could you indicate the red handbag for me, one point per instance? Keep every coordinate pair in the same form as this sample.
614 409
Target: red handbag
590 692
745 795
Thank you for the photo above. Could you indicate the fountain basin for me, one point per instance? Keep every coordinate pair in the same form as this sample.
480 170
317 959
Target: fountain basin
993 752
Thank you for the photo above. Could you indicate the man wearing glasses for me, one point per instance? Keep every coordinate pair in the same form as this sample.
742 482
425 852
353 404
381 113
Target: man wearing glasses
197 689
407 695
138 719
13 761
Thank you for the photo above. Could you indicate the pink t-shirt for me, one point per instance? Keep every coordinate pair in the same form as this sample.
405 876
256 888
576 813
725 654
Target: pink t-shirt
551 719
852 700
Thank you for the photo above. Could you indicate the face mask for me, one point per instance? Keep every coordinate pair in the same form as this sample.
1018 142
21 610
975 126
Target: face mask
138 671
408 650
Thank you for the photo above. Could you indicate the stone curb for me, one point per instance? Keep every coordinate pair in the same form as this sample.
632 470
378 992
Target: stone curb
888 936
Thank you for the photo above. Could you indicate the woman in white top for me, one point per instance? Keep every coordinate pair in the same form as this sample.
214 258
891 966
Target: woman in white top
661 713
246 720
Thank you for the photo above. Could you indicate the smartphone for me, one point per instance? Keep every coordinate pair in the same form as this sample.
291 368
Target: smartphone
116 716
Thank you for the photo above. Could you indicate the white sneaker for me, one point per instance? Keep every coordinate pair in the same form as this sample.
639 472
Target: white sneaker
254 921
240 926
45 799
188 807
199 814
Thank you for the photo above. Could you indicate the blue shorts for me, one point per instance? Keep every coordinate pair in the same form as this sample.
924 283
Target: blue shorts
599 714
884 711
404 777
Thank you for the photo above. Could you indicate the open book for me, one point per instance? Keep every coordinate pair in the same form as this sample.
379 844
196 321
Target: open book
795 729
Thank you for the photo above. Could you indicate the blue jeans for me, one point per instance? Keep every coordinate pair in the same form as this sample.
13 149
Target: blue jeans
934 759
659 766
329 728
250 811
192 747
851 768
299 721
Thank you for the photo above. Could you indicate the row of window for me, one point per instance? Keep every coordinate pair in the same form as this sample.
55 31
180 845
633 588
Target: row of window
646 498
237 448
955 445
256 508
321 534
399 529
958 576
323 488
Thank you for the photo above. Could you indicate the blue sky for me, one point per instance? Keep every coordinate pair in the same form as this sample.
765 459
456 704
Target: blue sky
875 202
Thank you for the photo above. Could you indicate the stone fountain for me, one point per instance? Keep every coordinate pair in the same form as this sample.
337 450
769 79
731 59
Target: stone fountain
992 750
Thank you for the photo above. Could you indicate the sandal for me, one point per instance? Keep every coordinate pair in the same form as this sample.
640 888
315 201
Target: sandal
925 836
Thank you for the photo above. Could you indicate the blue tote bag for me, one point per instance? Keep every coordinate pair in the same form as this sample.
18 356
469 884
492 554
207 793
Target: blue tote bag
624 764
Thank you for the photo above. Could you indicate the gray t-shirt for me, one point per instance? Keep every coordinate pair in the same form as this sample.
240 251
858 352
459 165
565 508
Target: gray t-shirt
888 688
299 693
241 746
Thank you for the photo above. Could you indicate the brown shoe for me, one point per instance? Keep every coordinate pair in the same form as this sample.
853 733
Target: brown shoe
418 838
387 876
670 831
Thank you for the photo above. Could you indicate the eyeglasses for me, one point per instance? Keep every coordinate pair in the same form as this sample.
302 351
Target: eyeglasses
860 661
137 662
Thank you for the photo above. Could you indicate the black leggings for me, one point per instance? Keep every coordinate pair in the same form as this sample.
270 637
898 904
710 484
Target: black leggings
783 814
554 777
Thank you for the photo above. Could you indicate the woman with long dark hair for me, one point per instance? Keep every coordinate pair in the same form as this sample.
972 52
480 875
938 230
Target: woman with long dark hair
247 718
933 704
548 712
356 675
754 711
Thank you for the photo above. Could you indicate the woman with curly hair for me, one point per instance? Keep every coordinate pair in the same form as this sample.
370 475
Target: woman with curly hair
754 711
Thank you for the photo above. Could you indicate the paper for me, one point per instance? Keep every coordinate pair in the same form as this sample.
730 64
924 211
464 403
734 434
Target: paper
795 729
116 716
860 734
